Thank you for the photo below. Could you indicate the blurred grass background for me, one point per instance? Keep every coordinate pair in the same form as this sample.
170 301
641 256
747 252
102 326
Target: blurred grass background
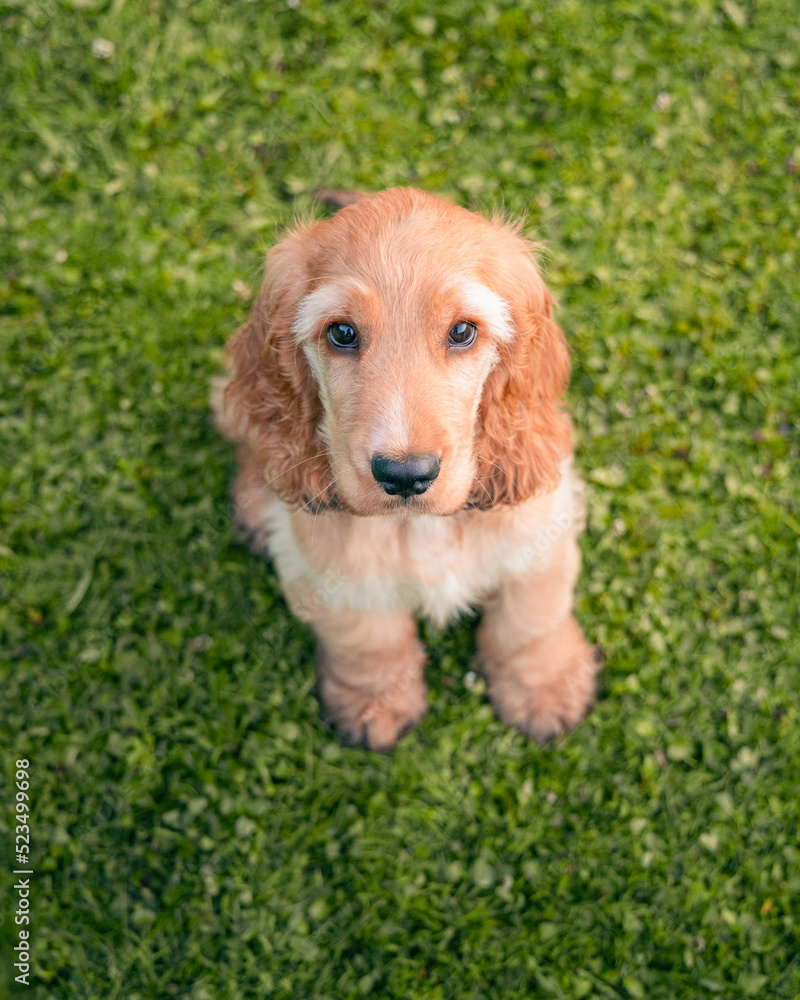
196 831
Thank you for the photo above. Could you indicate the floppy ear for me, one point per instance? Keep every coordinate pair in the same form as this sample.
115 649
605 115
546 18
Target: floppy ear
271 403
523 433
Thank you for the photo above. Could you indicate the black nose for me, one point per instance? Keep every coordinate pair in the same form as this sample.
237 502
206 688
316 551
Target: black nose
411 476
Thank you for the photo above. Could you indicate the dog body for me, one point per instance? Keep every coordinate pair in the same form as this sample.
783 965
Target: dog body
403 453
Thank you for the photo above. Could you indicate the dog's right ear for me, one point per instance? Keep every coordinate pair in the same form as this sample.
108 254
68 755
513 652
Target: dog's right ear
339 199
270 401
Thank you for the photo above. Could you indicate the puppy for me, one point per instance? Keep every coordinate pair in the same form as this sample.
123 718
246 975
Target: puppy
396 397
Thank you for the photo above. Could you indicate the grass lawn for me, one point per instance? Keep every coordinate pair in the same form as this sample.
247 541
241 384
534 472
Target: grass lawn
196 832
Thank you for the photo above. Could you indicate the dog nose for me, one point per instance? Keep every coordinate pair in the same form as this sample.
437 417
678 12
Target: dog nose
408 477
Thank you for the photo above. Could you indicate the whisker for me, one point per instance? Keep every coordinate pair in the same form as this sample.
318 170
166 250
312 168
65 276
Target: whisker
499 468
309 502
290 469
490 462
488 494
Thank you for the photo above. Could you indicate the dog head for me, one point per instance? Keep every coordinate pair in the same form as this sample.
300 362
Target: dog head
401 356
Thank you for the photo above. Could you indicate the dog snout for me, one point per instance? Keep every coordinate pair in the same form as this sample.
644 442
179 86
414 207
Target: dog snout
406 477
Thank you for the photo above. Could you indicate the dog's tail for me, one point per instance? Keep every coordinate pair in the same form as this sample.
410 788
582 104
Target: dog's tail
339 199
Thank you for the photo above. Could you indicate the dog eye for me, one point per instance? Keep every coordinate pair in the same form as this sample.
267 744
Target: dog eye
462 334
342 335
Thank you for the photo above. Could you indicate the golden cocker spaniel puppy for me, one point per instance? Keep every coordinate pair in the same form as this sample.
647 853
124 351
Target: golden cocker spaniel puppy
396 401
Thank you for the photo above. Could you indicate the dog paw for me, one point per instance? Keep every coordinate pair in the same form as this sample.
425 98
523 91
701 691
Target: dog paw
375 720
548 687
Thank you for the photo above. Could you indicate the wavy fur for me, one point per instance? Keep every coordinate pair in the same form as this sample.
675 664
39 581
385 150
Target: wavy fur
496 528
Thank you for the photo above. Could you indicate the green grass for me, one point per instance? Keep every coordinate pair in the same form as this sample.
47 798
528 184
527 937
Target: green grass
197 833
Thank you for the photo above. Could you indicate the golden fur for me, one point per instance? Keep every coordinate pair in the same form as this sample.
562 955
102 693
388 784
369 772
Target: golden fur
496 528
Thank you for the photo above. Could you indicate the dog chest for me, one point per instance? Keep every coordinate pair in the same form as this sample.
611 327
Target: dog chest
432 566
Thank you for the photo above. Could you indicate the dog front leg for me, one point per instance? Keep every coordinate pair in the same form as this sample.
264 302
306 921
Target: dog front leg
540 670
371 674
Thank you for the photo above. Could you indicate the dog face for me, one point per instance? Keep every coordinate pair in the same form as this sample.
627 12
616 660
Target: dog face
400 333
401 357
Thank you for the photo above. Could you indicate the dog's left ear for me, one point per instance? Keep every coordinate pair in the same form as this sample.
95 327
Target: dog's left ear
523 433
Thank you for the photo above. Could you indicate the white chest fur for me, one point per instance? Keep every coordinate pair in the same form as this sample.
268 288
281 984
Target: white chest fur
432 566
